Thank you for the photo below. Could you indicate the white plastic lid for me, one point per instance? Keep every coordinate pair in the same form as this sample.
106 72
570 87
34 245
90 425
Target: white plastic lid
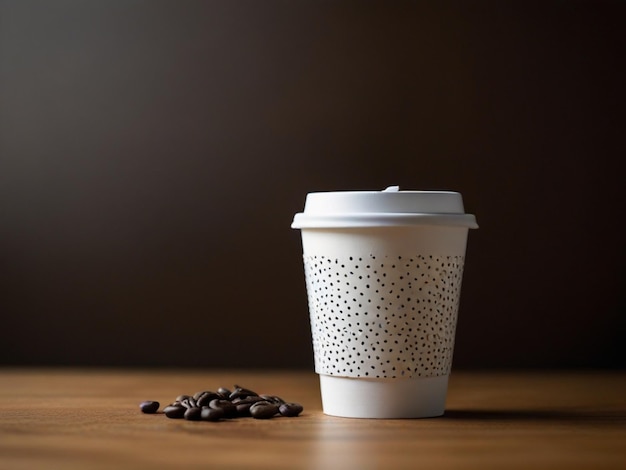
391 207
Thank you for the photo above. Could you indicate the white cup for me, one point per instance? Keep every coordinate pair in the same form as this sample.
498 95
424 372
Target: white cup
383 273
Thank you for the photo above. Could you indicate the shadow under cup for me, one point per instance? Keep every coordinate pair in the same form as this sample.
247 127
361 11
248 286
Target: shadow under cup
383 275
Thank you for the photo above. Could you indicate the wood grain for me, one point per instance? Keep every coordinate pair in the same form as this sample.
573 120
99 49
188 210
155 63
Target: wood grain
89 419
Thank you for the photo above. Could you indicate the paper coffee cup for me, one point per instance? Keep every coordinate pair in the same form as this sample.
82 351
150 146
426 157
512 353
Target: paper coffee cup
383 274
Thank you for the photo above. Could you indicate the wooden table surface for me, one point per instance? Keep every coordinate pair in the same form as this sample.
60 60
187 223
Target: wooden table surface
89 419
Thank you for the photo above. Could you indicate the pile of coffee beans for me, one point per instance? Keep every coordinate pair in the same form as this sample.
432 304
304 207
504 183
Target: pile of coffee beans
224 404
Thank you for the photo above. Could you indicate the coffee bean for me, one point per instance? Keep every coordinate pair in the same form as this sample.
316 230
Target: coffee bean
211 414
250 399
263 410
241 392
197 395
205 398
180 398
189 402
149 407
243 404
230 410
243 409
175 411
290 409
273 399
223 392
193 414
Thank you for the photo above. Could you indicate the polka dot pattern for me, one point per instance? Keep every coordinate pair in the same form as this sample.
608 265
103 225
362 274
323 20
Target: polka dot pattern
383 316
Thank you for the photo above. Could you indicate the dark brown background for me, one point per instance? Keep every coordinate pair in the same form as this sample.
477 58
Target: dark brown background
153 153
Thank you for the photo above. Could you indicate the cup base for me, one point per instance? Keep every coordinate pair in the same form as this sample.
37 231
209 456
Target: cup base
349 397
